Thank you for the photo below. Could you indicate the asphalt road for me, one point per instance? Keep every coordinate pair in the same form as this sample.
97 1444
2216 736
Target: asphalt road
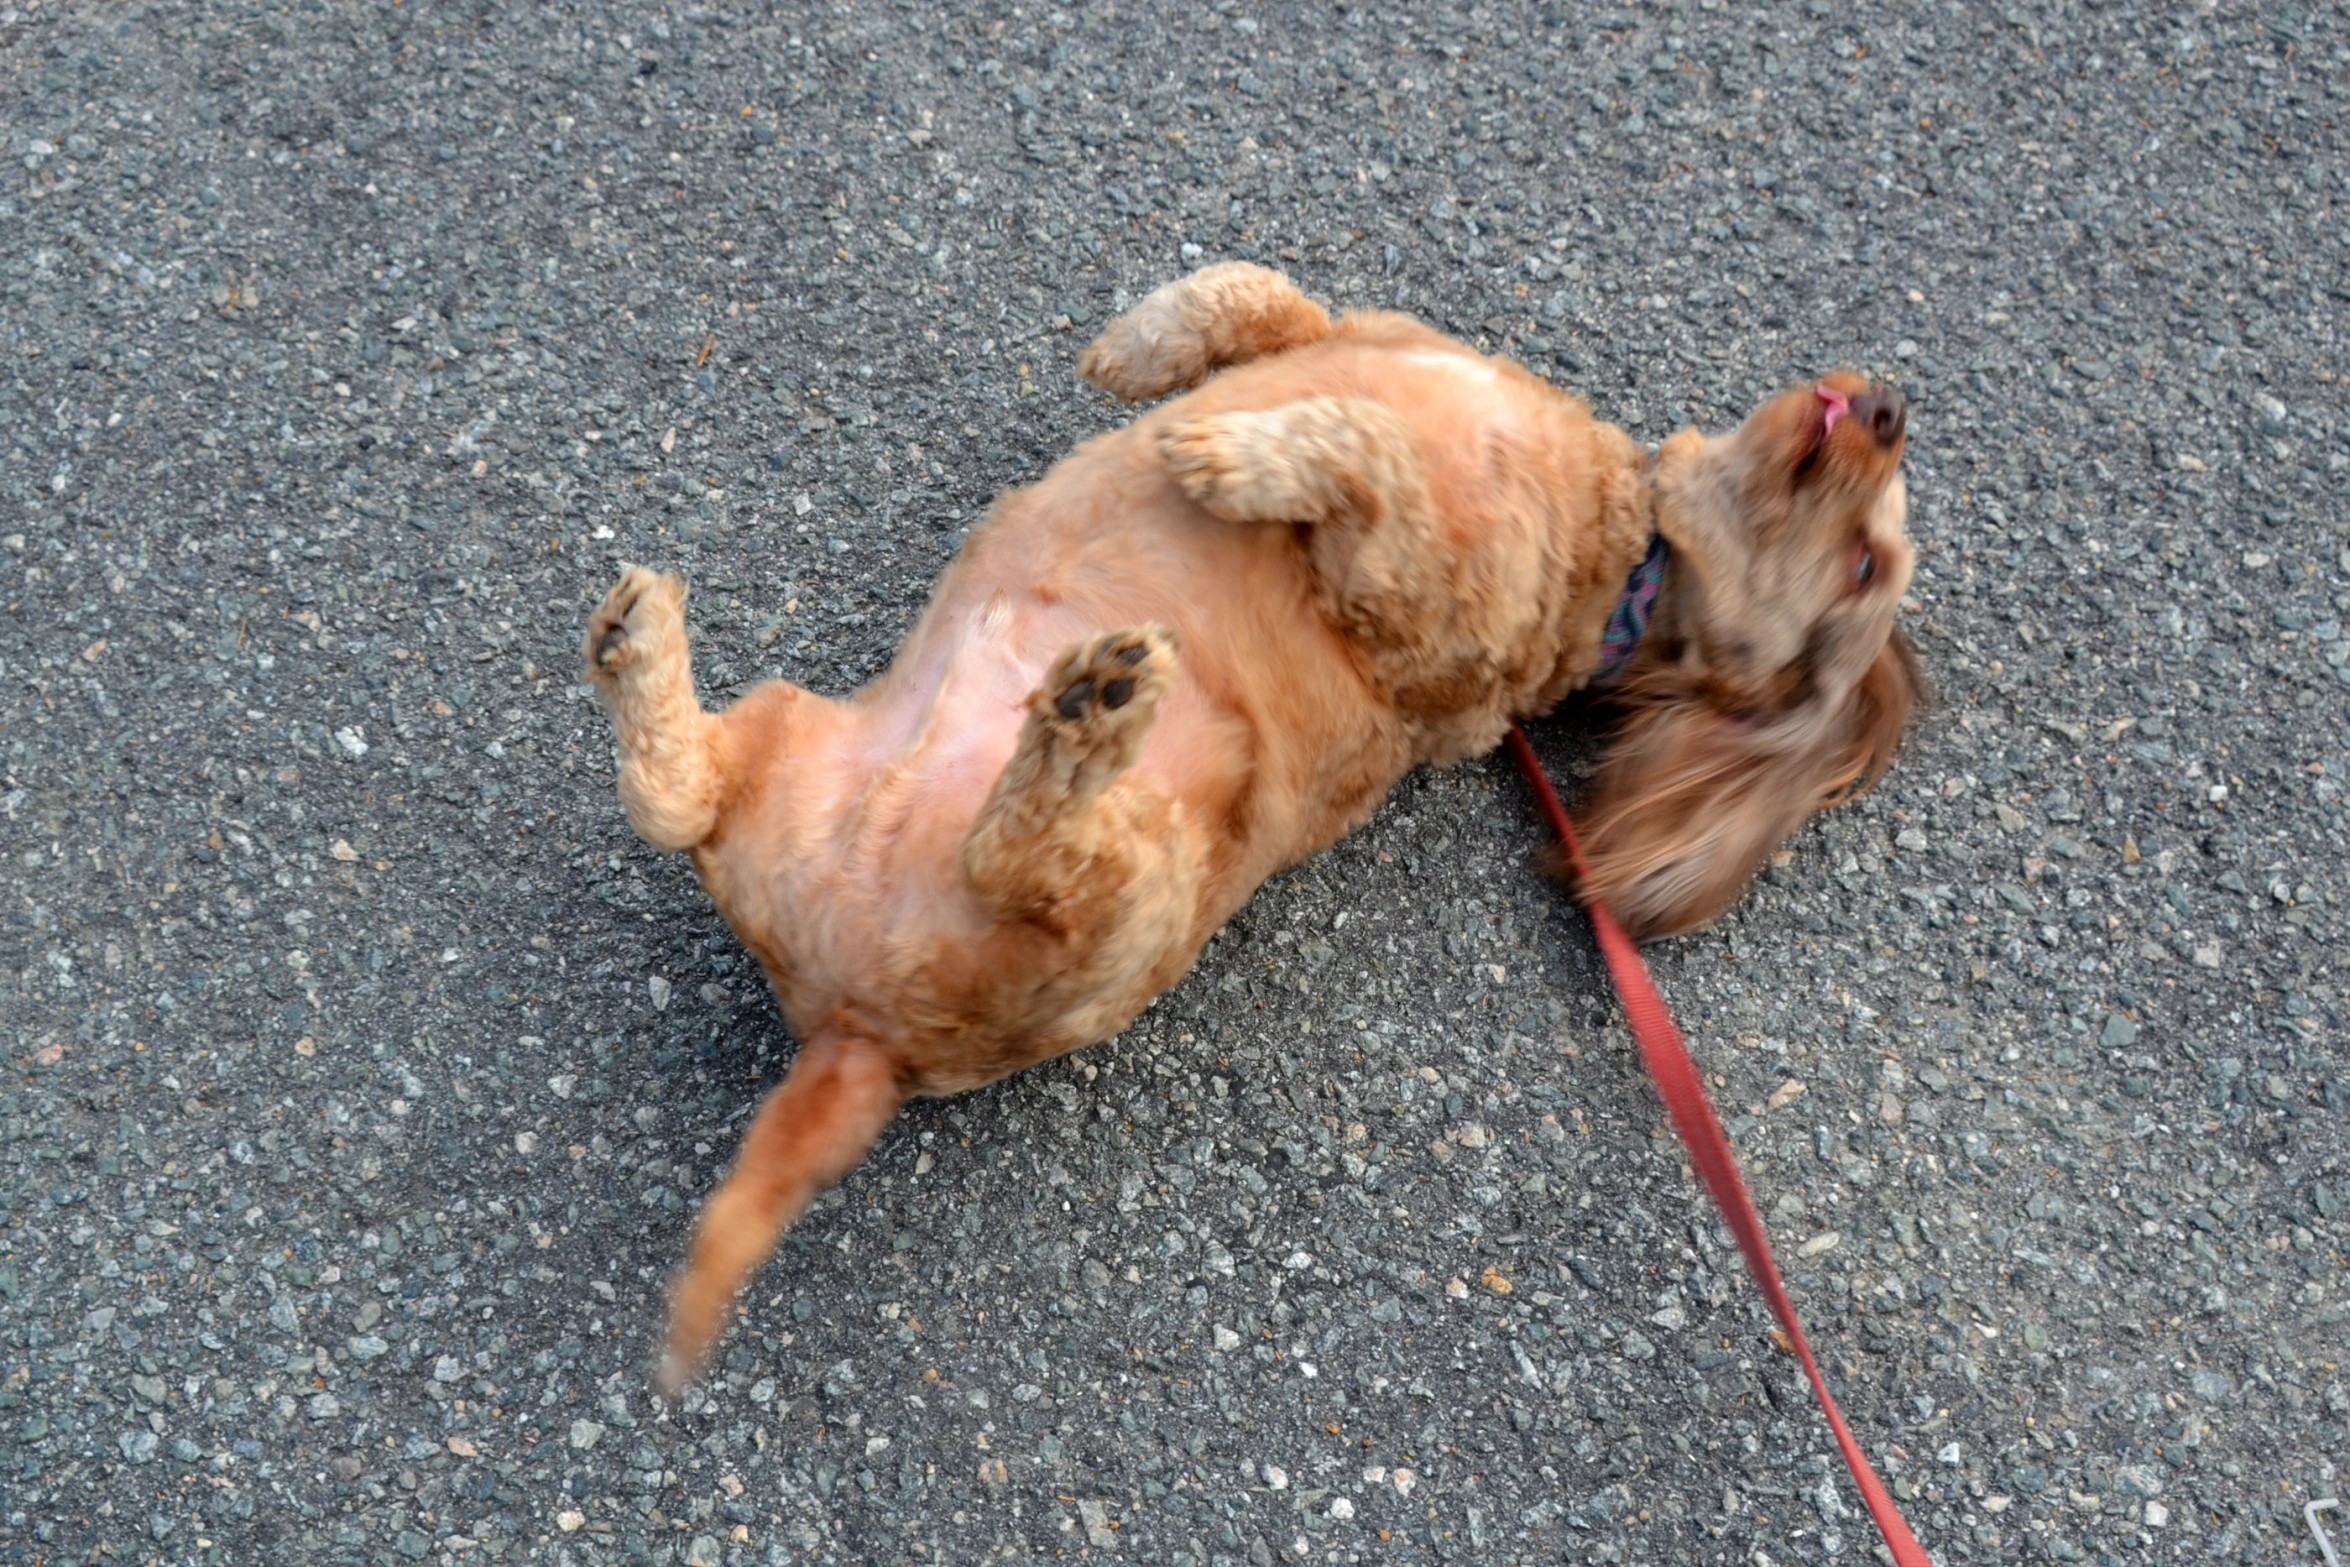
363 1071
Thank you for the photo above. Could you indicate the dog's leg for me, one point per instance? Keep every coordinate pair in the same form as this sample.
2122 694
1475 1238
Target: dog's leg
637 660
811 1131
1185 331
1343 460
1038 840
1348 466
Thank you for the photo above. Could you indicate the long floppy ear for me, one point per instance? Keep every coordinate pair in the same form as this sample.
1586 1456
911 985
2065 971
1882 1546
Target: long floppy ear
1693 794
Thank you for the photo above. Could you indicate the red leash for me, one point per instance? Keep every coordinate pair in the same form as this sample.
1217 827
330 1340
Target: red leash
1683 1090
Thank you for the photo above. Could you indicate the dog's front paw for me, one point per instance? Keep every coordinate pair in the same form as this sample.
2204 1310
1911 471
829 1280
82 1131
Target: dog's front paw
1145 353
641 610
1200 454
1237 466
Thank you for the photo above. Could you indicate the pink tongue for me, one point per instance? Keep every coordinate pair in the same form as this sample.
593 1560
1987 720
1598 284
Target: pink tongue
1838 405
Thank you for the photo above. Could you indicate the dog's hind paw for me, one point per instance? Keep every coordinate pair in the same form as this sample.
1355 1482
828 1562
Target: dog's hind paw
1099 696
637 618
1044 832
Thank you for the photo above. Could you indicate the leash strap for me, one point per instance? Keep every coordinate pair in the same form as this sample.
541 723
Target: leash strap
1681 1086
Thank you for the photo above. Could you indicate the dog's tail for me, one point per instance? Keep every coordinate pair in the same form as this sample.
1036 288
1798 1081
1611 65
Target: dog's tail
811 1131
1187 330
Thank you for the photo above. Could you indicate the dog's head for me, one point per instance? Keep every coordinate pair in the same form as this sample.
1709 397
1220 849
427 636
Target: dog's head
1772 681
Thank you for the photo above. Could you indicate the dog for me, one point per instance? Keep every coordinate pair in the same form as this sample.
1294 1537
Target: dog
1205 646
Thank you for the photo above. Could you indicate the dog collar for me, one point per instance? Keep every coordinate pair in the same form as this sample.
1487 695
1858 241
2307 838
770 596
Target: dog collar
1628 621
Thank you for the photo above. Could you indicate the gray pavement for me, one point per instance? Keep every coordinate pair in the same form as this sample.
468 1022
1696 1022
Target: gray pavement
363 1072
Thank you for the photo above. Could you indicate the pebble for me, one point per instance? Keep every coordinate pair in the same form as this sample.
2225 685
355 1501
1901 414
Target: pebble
2214 1387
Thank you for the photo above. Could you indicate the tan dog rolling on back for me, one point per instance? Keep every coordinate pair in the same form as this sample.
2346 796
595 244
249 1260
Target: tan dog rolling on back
1205 646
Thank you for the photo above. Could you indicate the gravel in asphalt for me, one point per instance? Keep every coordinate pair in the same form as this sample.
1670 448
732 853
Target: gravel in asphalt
363 1072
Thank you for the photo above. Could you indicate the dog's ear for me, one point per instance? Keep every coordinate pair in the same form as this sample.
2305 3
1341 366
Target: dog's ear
1696 791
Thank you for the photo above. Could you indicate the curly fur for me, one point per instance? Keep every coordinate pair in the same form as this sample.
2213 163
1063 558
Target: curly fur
1772 682
1205 646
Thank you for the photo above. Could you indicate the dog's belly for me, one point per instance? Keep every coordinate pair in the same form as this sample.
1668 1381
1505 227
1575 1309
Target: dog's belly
856 890
847 878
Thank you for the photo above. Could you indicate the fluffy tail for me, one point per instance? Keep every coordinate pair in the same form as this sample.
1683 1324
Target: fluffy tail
812 1131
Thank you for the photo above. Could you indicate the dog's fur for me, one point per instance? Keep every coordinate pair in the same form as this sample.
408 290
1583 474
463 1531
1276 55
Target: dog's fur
1207 645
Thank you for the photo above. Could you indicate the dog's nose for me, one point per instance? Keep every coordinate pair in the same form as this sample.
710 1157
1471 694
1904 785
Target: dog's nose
1883 412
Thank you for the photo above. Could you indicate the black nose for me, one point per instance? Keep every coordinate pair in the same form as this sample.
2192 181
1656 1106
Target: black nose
1883 412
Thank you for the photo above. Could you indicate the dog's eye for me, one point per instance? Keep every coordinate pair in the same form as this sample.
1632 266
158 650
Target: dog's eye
1864 568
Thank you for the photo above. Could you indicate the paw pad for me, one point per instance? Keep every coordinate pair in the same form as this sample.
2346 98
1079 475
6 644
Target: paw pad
1107 676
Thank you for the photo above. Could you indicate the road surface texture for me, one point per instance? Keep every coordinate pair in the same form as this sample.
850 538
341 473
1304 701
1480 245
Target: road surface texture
364 1072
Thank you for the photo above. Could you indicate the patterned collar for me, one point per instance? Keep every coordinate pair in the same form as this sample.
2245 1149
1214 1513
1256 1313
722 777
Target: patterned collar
1629 620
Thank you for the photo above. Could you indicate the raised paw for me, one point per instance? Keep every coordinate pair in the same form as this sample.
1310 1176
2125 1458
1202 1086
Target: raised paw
1184 331
637 618
1147 352
1316 460
1234 466
1044 826
1100 695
